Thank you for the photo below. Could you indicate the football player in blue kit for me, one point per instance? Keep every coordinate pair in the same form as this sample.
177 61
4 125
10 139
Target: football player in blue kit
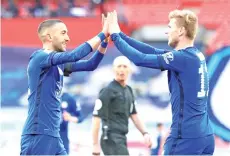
191 131
71 112
46 69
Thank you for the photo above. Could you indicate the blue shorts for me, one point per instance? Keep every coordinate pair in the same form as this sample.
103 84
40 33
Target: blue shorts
37 144
196 146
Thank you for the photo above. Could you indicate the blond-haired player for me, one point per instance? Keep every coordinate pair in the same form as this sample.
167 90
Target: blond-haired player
191 131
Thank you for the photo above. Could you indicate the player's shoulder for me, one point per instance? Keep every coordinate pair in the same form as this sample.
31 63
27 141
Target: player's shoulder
196 56
190 54
39 54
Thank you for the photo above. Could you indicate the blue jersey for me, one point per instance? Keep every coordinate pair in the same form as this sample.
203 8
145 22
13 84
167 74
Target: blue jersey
187 79
45 80
69 105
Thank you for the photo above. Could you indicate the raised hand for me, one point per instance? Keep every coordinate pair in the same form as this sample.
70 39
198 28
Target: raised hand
113 23
105 25
115 20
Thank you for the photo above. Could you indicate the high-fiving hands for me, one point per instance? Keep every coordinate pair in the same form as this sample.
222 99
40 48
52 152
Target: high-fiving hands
110 24
113 23
105 25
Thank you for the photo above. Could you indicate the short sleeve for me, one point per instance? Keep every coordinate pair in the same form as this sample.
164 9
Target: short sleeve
133 108
101 108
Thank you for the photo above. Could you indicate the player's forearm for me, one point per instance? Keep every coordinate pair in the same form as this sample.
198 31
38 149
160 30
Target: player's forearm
142 47
87 65
73 56
93 62
103 47
138 123
95 41
78 53
95 129
137 57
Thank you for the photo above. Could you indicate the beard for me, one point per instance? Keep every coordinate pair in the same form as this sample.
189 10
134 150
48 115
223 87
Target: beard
173 43
58 47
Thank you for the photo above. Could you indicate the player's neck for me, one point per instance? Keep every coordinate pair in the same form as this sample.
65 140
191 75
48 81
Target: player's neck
48 47
184 43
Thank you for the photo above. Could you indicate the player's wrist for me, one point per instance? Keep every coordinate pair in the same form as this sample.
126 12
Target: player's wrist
102 36
114 36
104 44
107 39
144 133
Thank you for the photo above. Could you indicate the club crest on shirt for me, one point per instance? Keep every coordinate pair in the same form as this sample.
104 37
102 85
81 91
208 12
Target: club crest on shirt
168 57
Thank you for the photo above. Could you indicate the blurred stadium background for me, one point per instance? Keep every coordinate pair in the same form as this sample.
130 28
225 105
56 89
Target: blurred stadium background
145 20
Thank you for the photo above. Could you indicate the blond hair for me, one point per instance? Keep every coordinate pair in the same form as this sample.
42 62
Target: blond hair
186 19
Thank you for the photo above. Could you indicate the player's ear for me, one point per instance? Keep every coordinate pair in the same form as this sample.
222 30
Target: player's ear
181 31
48 37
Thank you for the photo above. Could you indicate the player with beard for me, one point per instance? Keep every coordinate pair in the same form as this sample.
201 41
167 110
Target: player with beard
46 69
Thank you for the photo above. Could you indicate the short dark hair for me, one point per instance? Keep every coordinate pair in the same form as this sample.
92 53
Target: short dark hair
48 23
